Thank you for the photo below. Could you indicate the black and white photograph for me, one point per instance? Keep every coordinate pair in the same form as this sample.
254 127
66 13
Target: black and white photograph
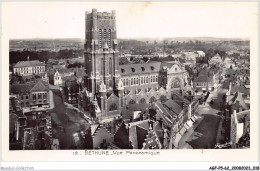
108 76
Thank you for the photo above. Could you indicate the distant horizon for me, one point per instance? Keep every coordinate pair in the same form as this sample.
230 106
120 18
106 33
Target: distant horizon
135 20
138 38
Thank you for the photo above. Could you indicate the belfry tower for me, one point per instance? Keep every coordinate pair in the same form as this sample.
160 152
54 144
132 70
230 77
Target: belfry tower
101 57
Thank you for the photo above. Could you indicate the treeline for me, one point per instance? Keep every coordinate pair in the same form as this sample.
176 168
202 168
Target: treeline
43 56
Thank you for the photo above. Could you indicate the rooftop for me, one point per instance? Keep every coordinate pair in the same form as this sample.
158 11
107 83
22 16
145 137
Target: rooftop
28 64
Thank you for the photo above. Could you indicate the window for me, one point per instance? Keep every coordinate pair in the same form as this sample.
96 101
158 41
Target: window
34 96
142 80
152 99
133 70
142 101
39 96
147 79
131 81
105 34
127 81
156 78
143 69
26 97
21 97
152 68
137 81
134 81
44 95
22 104
113 107
100 38
109 38
132 101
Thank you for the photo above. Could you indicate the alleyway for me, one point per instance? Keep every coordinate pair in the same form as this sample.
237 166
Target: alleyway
204 132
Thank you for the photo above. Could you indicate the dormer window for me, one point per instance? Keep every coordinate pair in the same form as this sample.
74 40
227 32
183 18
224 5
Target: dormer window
133 70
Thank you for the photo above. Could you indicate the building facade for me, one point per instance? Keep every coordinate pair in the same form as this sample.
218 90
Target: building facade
109 86
29 95
27 68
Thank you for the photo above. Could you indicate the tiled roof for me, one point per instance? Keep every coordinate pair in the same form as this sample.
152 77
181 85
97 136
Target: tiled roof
21 88
40 86
202 78
65 70
28 64
173 106
131 69
238 97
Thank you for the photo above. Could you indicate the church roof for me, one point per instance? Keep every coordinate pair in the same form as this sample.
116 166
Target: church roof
131 69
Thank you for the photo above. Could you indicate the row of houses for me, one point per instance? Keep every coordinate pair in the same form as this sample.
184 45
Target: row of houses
157 126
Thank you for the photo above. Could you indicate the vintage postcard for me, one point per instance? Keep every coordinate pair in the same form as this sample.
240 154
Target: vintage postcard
129 81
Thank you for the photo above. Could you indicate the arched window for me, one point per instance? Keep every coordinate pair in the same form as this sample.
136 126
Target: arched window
131 101
175 84
152 99
142 100
163 98
112 107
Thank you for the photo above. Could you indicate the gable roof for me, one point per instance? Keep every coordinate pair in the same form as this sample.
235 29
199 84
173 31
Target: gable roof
173 106
238 98
28 64
40 86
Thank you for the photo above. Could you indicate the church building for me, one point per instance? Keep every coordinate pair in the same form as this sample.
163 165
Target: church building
109 86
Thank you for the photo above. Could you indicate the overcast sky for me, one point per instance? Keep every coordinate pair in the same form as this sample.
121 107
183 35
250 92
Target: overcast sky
134 19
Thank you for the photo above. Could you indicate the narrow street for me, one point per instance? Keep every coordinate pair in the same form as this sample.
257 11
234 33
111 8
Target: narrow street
66 121
204 132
